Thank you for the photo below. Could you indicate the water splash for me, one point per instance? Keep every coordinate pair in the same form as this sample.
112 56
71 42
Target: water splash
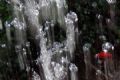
35 76
39 18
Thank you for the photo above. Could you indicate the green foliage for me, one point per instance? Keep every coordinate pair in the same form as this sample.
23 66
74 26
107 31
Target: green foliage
4 10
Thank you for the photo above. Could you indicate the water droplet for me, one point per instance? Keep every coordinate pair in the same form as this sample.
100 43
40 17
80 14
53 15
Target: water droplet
53 64
17 24
27 44
60 72
111 1
107 46
103 37
18 48
27 68
94 4
8 1
46 28
86 47
3 45
73 16
7 24
47 23
24 51
59 3
99 16
73 67
108 20
44 3
98 72
60 51
35 76
20 7
52 23
68 21
35 12
64 60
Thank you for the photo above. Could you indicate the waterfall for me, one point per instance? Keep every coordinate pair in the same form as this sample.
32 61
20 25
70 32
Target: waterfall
39 17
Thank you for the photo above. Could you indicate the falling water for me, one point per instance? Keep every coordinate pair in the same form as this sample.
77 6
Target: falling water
111 21
73 70
105 62
87 60
109 63
39 18
8 32
1 26
34 23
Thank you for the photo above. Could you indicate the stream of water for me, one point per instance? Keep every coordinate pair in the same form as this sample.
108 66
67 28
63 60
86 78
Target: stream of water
54 58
